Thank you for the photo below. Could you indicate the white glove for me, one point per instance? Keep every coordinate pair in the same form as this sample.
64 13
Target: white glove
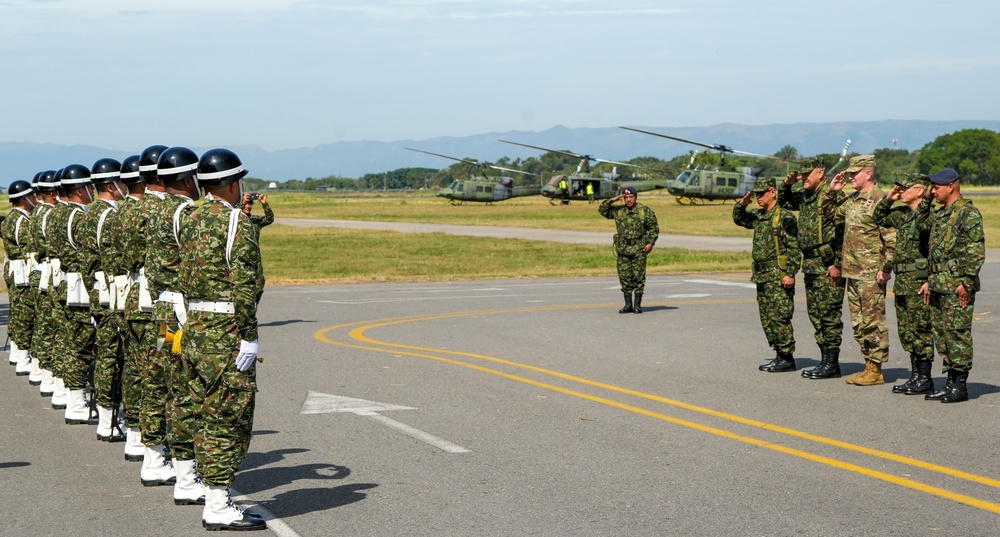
247 354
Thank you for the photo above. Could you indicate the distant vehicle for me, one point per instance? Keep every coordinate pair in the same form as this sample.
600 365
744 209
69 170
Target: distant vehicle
605 186
482 189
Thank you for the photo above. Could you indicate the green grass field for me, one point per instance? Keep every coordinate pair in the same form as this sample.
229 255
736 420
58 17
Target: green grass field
314 255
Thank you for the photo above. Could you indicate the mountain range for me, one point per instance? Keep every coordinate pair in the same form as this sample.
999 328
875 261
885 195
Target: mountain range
21 160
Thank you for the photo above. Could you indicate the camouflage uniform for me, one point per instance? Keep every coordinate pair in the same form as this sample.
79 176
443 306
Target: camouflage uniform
957 253
17 243
120 237
44 336
223 396
66 226
637 227
912 315
775 234
142 328
821 239
104 260
868 248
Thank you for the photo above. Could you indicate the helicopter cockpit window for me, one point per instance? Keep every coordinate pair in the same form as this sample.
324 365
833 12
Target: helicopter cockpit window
683 177
458 187
694 181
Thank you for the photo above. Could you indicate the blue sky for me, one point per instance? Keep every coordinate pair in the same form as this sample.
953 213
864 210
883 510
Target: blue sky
124 74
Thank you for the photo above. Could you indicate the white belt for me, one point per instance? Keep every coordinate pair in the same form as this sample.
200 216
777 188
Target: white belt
212 307
172 297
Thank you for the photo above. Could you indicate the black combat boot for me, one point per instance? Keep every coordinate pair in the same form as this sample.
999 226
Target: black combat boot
638 303
923 382
958 391
782 362
902 388
628 303
945 390
829 365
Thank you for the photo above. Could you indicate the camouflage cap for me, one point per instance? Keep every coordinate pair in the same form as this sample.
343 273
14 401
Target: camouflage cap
913 179
762 184
808 165
861 162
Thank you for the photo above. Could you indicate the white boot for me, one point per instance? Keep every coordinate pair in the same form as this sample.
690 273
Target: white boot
155 468
12 354
77 411
221 513
135 450
188 490
60 396
48 384
23 362
104 423
35 373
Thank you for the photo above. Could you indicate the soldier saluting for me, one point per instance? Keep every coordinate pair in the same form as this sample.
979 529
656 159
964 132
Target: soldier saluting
776 258
637 233
957 253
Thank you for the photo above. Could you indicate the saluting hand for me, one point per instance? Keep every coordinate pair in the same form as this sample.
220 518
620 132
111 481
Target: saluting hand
746 199
792 178
838 181
895 193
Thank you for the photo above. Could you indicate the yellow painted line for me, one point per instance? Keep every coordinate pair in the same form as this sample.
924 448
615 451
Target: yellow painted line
900 481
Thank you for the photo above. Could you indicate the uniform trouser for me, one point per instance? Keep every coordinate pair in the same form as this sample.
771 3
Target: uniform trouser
632 272
776 306
78 353
916 334
866 300
136 352
108 345
952 330
180 439
21 321
825 304
221 409
155 383
44 338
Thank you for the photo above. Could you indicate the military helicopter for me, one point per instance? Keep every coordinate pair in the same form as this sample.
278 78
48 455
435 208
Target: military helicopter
484 189
576 183
697 186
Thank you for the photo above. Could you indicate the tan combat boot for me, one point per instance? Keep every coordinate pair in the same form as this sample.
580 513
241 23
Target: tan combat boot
853 379
872 376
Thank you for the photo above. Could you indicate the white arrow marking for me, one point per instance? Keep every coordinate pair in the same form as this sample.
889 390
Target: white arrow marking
322 403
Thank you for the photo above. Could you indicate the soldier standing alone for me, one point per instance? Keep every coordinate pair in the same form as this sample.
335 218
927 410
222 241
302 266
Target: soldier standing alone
957 253
637 233
776 258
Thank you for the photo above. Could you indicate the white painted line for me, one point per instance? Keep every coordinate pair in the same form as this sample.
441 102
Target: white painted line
416 433
274 523
361 302
720 282
687 296
324 403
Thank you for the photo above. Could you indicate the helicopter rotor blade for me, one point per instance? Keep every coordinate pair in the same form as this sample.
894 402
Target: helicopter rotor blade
716 147
501 168
567 153
466 160
615 162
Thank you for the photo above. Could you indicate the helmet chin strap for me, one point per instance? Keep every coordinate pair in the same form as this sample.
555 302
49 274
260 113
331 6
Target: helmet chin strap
118 188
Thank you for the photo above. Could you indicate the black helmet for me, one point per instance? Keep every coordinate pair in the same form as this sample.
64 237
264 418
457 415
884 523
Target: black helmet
130 170
18 189
106 170
74 176
57 181
177 164
47 181
220 167
34 180
147 161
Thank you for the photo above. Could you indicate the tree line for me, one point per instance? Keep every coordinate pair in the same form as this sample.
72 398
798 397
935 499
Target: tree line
974 153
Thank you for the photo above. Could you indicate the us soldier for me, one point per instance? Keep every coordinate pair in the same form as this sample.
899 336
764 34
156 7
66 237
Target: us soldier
104 262
176 168
17 244
219 276
776 259
821 239
868 258
637 233
69 258
957 253
43 337
912 223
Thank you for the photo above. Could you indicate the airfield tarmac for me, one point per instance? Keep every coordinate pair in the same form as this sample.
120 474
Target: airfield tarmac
531 407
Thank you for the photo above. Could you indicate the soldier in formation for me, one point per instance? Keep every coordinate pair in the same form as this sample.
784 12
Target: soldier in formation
637 233
776 258
102 274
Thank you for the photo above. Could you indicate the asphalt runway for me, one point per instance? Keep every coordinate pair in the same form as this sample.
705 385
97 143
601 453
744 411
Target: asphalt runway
531 407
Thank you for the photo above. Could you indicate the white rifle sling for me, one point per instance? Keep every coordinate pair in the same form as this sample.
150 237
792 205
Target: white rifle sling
234 221
177 221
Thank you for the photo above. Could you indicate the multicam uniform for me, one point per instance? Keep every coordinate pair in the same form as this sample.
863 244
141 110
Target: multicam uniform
957 253
221 279
868 248
637 227
775 241
821 239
